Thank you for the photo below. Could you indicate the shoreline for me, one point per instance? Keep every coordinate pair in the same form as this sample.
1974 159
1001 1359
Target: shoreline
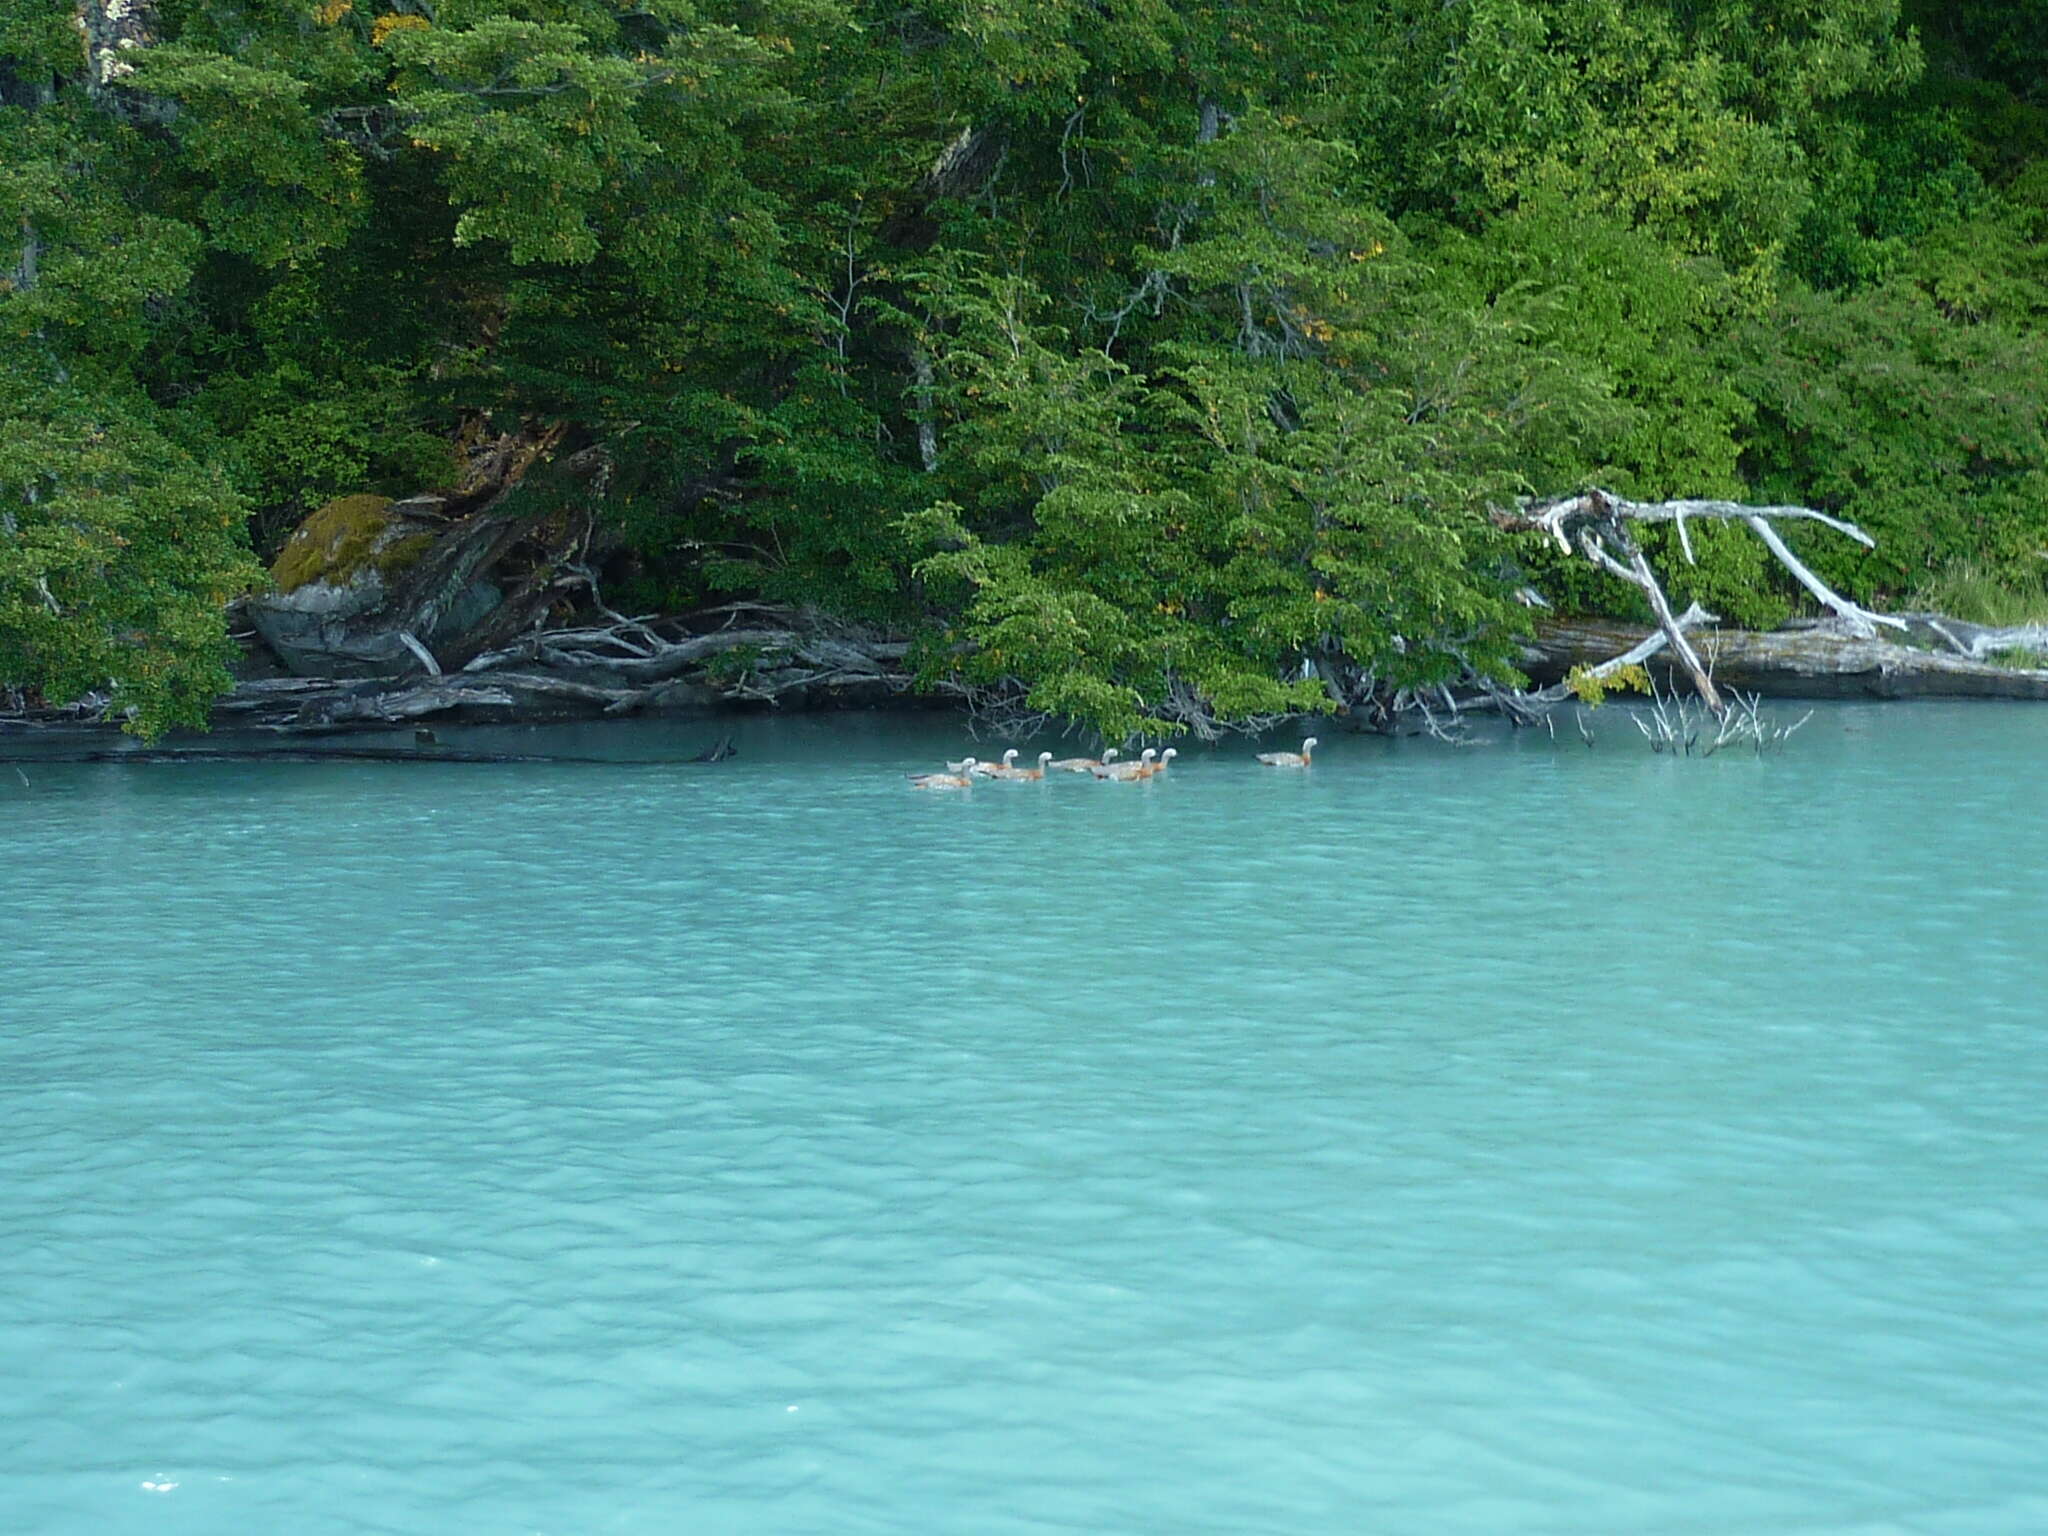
1814 662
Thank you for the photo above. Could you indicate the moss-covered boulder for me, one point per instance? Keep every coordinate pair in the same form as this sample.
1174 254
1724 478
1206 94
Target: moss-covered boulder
333 577
347 537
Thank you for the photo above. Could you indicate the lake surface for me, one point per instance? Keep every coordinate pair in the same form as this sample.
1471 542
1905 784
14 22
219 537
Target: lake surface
1514 1139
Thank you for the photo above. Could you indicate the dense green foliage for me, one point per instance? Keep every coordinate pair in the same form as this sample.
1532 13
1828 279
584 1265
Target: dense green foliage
1141 354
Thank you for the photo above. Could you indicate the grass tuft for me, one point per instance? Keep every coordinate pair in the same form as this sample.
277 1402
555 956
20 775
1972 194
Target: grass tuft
1979 594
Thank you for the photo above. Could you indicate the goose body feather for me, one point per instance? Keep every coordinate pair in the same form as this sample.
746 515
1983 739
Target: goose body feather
962 780
1082 764
1125 773
1300 759
1014 774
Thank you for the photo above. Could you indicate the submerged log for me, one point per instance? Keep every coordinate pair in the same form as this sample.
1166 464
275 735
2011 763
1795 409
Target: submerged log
1812 662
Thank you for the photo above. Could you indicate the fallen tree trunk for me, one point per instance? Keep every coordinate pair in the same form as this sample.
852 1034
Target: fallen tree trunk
1807 663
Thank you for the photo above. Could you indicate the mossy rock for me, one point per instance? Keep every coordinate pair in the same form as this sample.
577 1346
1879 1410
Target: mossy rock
329 613
346 538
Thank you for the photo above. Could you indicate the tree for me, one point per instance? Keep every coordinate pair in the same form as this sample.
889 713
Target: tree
1159 363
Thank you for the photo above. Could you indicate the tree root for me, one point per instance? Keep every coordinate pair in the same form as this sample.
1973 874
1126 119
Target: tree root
621 665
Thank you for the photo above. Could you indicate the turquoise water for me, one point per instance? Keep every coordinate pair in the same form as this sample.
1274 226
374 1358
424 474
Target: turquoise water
1516 1139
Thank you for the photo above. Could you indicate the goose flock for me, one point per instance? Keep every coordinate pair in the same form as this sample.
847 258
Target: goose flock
1149 764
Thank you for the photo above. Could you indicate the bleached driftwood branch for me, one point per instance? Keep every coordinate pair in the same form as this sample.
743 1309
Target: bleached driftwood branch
1533 706
1596 506
1669 725
1860 621
1977 641
1552 515
1693 617
1596 524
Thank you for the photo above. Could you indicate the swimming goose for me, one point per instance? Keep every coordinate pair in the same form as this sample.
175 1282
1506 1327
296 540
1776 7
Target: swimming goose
1126 773
1007 772
963 780
998 770
1164 758
1299 759
968 765
1083 764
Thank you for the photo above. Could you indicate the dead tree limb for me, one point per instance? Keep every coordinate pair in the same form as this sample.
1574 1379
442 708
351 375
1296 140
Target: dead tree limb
1860 621
1596 521
1702 679
1595 524
1977 641
1533 706
1553 516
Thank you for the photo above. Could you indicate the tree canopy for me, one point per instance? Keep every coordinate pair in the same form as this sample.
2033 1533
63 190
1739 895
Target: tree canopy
1142 356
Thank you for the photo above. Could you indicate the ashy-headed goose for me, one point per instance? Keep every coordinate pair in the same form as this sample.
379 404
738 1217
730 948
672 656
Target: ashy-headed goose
998 770
1164 758
1007 772
963 780
1124 773
1083 764
1299 759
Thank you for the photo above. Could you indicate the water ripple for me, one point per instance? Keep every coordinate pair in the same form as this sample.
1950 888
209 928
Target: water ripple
650 1150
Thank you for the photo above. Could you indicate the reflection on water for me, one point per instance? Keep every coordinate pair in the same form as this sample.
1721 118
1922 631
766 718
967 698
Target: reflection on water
1521 1139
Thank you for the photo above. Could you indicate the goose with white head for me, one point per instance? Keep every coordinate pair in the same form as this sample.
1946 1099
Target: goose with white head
1300 759
1126 773
1082 764
1019 775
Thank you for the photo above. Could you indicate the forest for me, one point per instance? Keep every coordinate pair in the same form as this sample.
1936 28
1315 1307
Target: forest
1141 363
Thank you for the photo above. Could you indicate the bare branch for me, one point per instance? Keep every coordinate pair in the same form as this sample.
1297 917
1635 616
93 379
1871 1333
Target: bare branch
1552 516
1597 523
1860 620
411 642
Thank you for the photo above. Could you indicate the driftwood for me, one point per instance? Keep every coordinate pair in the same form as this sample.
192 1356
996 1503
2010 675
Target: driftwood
719 753
1597 525
756 653
1814 662
1976 641
1849 655
1673 724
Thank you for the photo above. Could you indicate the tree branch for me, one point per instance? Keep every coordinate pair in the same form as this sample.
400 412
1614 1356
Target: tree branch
1596 519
